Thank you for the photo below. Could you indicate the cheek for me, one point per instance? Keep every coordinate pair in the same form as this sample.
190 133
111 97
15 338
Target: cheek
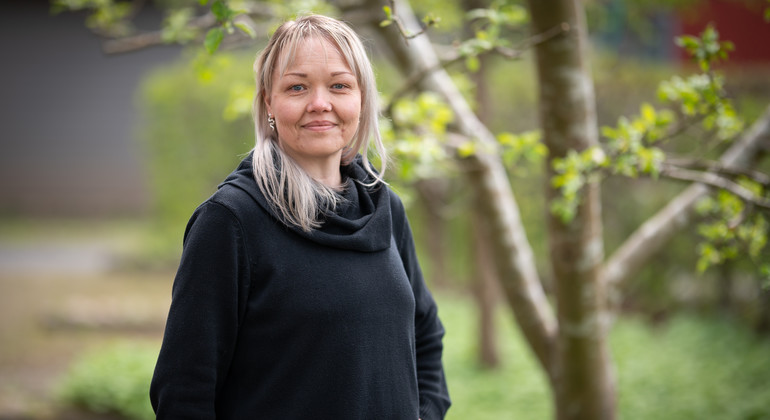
352 113
287 113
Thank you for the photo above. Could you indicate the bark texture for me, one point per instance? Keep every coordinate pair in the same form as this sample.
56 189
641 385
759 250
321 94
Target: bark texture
584 382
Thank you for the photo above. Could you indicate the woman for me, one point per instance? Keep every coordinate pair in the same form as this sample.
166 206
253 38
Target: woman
299 295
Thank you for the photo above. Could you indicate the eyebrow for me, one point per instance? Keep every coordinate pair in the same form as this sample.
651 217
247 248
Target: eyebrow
336 73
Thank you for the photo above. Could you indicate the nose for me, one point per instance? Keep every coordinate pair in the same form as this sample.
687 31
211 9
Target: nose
320 101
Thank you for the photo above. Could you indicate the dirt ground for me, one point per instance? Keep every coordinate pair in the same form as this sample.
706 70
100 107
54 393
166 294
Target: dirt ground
57 302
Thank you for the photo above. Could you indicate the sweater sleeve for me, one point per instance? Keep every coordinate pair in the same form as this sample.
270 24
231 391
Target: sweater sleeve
434 395
202 325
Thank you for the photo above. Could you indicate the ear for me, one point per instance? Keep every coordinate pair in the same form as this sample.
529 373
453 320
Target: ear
266 98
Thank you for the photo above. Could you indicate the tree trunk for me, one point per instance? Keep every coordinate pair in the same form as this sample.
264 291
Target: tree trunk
584 382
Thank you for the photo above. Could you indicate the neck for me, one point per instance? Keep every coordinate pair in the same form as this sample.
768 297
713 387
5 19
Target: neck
326 171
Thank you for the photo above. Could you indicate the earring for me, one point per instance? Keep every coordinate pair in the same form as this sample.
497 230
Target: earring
271 122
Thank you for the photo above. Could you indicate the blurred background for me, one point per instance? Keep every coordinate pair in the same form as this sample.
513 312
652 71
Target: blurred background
104 156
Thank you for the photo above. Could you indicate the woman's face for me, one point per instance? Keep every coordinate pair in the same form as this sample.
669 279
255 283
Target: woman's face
316 104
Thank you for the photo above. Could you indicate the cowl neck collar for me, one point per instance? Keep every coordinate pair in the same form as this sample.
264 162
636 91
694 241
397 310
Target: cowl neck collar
361 222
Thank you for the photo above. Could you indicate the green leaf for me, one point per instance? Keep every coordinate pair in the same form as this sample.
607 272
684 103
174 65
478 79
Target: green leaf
221 11
385 23
388 12
609 132
648 113
203 2
431 20
687 42
473 64
466 149
213 38
246 28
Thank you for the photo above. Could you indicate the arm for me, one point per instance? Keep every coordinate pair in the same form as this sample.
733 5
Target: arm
434 396
203 320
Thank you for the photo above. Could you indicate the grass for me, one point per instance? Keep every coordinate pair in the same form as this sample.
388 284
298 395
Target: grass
518 389
692 367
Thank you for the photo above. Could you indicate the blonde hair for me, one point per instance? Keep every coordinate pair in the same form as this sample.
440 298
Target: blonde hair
294 195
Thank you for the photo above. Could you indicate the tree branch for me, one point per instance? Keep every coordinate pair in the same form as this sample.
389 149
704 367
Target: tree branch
653 234
714 180
400 25
716 167
509 53
153 38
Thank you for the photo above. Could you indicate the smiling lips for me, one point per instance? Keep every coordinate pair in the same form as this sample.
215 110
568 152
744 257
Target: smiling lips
319 125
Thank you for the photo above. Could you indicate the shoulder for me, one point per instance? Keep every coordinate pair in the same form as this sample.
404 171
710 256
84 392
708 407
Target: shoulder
228 208
241 204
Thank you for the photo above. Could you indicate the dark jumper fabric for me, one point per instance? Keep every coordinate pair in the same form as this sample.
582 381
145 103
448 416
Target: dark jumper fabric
269 322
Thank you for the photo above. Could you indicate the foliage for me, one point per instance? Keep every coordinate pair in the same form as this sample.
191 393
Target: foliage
731 231
631 147
107 16
207 21
114 379
189 147
416 137
491 27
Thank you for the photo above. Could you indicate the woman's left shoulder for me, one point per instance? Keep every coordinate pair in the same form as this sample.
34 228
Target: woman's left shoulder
395 201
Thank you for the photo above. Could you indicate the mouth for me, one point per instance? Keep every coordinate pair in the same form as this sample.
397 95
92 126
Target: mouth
319 125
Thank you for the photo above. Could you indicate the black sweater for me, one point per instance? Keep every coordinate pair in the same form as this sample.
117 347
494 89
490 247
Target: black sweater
269 322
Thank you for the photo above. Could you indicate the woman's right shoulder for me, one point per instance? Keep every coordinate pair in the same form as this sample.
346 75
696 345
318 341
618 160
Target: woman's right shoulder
227 199
231 204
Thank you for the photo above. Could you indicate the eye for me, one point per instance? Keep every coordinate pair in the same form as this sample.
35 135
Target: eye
296 88
339 86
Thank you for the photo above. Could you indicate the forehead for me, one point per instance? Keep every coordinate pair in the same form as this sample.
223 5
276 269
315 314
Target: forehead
311 52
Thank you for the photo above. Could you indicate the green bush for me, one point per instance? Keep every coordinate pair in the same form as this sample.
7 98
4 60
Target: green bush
196 130
115 379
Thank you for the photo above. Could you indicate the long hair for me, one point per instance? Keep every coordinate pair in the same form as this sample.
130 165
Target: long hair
294 195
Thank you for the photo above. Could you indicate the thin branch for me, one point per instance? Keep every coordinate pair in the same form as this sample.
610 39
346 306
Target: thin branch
717 181
681 128
509 53
153 38
400 25
262 10
718 168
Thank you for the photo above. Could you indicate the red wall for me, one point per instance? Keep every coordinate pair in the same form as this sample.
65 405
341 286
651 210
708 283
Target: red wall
739 21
